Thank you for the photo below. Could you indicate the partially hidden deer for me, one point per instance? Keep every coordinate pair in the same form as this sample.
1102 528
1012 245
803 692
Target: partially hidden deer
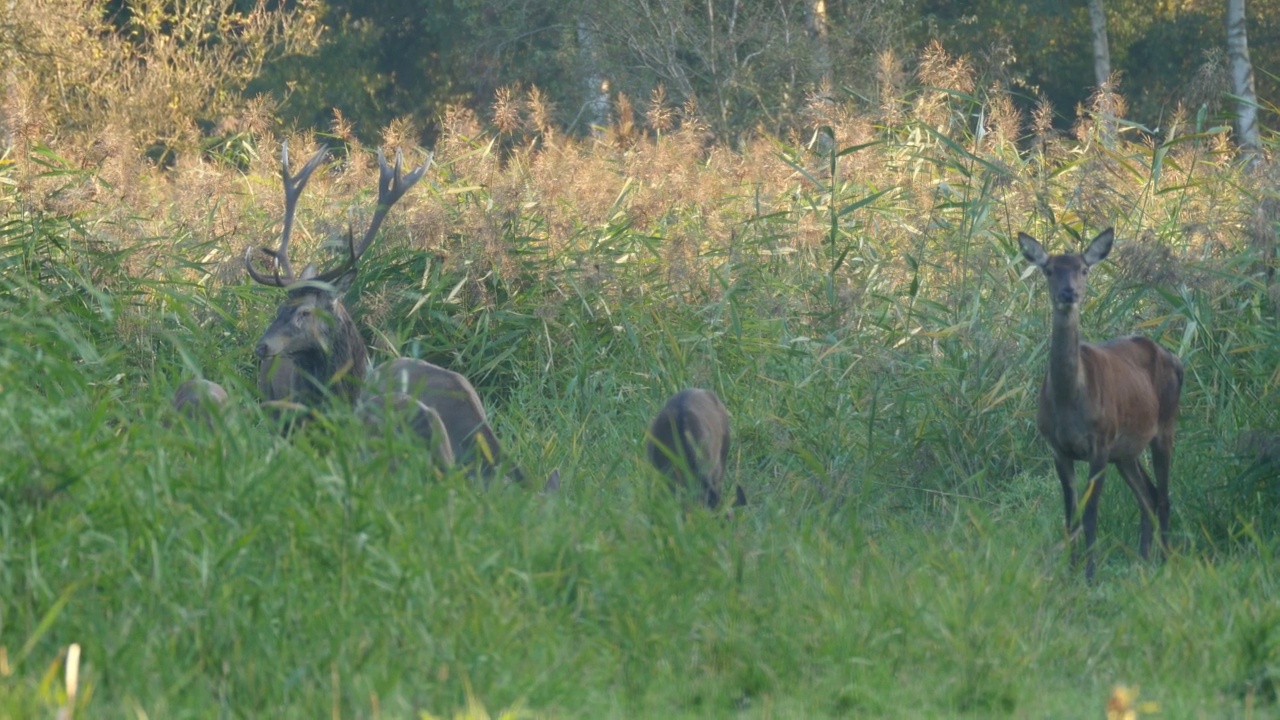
395 410
199 400
688 441
313 350
1104 403
449 394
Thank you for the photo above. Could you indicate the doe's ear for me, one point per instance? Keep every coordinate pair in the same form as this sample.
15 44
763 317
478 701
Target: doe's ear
1100 247
1032 250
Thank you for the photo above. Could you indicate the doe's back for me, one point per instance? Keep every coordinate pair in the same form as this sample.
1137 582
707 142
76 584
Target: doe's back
688 442
452 397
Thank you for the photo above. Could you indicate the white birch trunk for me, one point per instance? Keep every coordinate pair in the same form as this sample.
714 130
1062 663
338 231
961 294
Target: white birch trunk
595 106
1242 78
10 79
816 22
1101 50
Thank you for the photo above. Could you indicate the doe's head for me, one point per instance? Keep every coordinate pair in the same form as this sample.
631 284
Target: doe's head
1067 273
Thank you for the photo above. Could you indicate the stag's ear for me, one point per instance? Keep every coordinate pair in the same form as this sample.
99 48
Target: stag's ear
343 282
1032 250
309 272
1098 249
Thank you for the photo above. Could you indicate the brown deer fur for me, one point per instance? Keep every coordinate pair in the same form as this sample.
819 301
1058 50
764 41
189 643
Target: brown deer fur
380 411
1104 402
453 398
688 441
312 350
199 400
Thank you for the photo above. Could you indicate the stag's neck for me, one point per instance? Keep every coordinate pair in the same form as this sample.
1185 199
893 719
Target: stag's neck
348 358
336 368
312 373
1066 371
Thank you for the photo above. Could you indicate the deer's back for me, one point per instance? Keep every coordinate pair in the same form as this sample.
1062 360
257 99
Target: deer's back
198 399
379 411
694 426
448 393
1133 386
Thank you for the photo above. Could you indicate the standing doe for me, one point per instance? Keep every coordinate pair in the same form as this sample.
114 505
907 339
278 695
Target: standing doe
313 348
1104 402
688 442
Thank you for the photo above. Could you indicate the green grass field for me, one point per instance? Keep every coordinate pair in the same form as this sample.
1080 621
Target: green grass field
865 316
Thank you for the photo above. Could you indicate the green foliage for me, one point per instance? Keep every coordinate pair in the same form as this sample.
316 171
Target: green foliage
200 76
1166 53
859 306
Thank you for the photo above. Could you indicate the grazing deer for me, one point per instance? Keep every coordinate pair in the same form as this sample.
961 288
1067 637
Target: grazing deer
199 400
1104 402
453 399
688 441
313 348
380 411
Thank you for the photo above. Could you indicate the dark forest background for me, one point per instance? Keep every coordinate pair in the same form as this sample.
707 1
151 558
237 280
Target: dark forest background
356 66
750 64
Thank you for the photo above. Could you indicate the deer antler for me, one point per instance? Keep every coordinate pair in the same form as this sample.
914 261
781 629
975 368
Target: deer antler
293 184
391 186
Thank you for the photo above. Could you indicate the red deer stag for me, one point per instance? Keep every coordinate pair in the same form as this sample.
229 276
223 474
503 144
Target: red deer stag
688 442
313 349
1104 402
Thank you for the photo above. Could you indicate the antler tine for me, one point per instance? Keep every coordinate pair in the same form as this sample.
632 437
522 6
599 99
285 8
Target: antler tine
272 280
293 186
292 190
391 186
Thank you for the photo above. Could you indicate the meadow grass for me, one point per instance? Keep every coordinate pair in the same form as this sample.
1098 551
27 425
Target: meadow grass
862 310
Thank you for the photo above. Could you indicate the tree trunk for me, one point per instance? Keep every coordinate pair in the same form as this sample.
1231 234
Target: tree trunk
1101 51
816 24
595 106
1242 78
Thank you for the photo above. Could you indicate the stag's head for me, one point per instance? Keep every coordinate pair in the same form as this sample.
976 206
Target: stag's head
313 347
306 320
